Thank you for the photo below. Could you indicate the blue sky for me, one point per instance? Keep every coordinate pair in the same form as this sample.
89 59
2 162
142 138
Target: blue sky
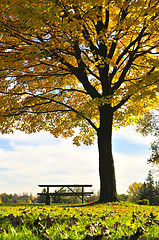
31 159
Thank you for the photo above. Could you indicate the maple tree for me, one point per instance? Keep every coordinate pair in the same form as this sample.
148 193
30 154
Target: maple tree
87 64
134 191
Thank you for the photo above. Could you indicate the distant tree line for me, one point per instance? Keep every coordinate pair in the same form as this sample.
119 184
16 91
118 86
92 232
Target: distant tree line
138 192
15 198
65 199
141 193
29 198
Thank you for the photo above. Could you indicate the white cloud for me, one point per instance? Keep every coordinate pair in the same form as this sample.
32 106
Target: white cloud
22 138
130 169
41 159
132 136
30 165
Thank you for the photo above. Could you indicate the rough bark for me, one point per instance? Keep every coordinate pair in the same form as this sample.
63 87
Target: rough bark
106 163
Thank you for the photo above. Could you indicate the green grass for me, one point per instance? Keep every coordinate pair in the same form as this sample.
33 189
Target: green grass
98 222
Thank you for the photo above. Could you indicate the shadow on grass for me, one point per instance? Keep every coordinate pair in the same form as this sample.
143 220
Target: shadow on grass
82 204
52 204
64 205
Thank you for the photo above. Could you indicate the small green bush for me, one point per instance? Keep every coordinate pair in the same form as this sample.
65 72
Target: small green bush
143 202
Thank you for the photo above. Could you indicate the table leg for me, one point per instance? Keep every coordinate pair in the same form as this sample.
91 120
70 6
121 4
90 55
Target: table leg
82 194
47 197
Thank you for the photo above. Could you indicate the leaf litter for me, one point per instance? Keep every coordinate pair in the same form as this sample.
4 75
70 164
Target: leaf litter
98 222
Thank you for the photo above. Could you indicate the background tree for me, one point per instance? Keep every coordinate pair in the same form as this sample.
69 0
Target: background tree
87 64
123 197
14 198
29 201
5 197
32 198
148 190
42 198
67 199
134 191
143 192
150 125
156 195
150 187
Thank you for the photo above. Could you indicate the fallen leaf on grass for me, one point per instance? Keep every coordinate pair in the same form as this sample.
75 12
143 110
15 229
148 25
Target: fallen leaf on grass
148 223
73 223
26 212
41 231
67 227
134 217
152 216
49 221
140 231
67 239
156 221
74 219
106 216
116 225
89 214
95 237
91 228
41 227
2 230
97 224
15 221
36 222
105 231
45 237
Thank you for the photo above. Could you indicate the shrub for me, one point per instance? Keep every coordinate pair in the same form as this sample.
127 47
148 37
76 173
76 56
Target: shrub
143 202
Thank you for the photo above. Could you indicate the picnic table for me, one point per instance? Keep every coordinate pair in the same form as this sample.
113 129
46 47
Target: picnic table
70 191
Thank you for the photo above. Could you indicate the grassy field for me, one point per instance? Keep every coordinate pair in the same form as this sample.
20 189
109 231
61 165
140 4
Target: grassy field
98 222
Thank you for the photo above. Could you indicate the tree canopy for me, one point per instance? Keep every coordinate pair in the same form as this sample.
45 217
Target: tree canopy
63 59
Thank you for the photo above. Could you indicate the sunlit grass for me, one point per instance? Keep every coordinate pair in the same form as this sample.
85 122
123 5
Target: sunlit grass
118 220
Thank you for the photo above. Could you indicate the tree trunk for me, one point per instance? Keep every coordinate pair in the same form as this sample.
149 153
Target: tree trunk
106 163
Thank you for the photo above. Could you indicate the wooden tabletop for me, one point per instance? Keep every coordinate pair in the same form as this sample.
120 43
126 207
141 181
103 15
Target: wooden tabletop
65 185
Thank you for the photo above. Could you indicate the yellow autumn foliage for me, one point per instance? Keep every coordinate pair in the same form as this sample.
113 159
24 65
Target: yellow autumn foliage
62 61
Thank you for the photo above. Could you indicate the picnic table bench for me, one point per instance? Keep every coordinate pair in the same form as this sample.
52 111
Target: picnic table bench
69 187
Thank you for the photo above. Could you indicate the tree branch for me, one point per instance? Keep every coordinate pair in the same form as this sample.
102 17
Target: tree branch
22 110
122 102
